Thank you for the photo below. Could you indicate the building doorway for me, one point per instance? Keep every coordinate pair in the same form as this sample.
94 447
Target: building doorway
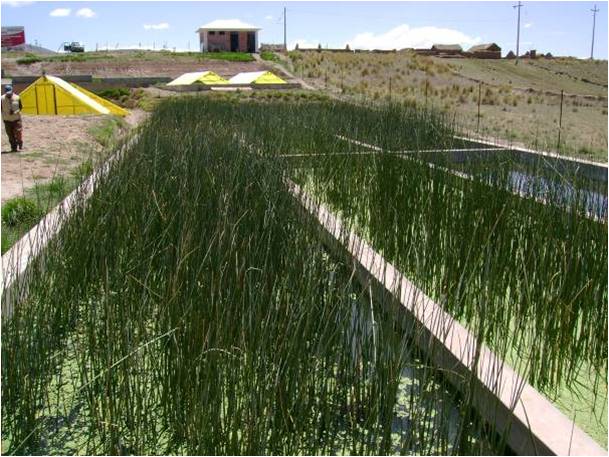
234 41
251 42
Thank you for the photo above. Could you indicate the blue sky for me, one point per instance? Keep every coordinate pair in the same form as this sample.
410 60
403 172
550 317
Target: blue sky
562 28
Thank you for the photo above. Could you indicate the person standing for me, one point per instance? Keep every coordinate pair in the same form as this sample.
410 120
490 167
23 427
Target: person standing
11 115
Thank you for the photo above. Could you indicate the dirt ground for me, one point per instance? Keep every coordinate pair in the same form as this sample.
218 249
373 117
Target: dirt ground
53 146
131 65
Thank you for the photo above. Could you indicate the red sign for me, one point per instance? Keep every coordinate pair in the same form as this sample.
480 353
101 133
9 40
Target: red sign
12 36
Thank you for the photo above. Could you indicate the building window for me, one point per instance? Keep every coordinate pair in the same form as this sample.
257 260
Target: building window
221 33
212 33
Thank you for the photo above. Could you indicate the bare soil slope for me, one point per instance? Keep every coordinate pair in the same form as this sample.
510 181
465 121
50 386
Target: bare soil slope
126 63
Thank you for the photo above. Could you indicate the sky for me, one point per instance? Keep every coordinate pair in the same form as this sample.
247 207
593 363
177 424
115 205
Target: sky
562 28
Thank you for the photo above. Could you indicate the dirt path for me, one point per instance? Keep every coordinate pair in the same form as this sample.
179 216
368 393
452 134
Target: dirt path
53 146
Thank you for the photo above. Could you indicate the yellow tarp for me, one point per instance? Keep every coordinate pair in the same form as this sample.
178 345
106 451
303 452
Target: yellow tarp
51 95
198 77
269 78
256 77
114 109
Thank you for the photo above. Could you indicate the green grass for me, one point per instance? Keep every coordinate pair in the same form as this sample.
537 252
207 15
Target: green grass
107 131
75 57
270 56
28 59
228 56
20 214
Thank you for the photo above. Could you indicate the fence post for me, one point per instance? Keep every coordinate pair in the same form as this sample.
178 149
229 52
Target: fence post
390 88
562 92
426 86
479 94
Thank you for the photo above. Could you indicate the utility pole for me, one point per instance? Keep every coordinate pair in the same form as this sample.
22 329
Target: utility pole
518 32
594 11
285 34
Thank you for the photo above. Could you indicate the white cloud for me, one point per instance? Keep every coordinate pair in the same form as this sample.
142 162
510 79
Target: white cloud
303 43
528 25
269 17
17 3
159 26
86 13
404 36
60 12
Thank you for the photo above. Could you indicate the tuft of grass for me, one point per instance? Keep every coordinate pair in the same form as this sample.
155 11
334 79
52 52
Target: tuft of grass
19 211
106 132
269 55
29 59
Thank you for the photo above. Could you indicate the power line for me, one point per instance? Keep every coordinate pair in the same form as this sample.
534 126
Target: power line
518 32
285 34
594 11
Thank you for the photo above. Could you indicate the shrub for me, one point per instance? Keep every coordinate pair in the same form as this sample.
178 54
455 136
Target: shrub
28 59
229 56
20 210
268 55
114 92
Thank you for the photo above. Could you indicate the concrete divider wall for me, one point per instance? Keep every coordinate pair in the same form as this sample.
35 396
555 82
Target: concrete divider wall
525 419
203 87
70 78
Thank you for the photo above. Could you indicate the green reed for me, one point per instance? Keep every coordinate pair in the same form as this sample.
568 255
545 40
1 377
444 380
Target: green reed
188 308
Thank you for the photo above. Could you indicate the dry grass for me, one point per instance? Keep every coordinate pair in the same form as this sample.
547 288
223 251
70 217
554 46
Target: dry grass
518 102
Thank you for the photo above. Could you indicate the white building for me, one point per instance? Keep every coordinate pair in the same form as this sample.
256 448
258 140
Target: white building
228 35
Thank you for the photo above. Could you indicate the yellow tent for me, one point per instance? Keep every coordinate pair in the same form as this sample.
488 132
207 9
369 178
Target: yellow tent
198 77
256 77
53 95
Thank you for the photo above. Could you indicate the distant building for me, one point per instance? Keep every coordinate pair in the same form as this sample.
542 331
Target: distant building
447 49
230 35
485 51
510 55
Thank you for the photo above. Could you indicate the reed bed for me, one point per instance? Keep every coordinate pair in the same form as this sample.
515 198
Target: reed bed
188 308
516 249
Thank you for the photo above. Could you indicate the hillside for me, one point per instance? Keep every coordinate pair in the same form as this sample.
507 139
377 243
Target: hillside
128 63
518 102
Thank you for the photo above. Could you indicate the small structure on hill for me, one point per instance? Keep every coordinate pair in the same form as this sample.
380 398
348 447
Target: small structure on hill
446 50
51 95
510 55
256 77
198 77
230 35
485 51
